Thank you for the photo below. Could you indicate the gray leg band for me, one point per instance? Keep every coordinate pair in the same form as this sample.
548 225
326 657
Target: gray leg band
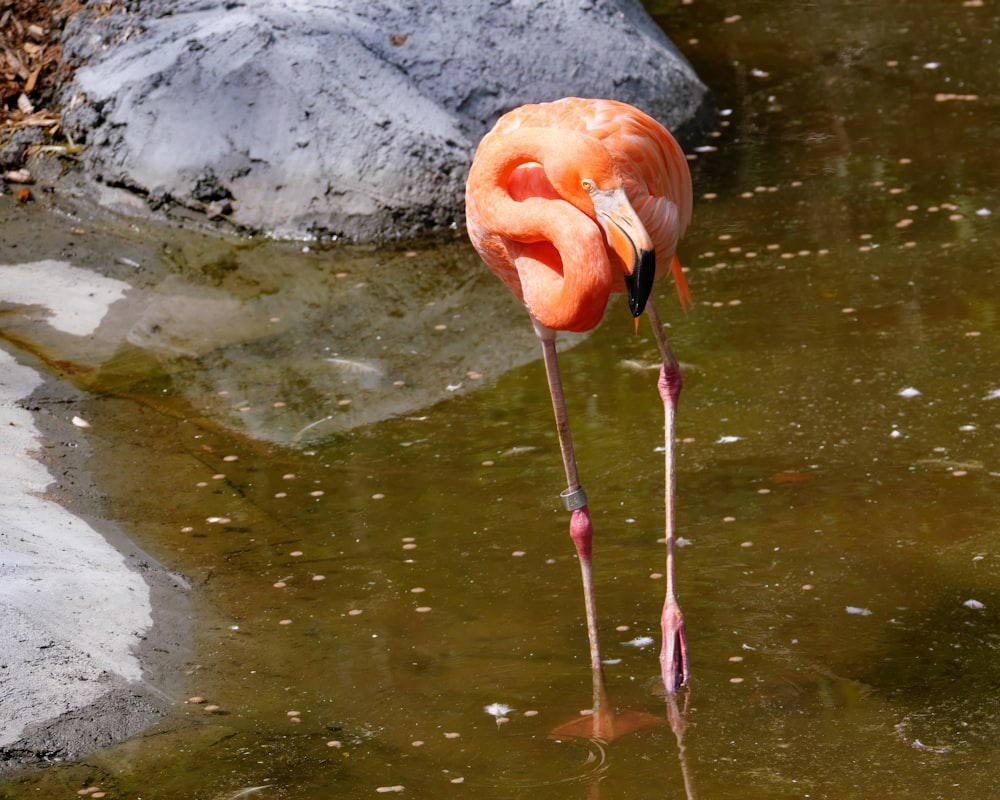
574 498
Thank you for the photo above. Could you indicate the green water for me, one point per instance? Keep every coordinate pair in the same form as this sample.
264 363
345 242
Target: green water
843 250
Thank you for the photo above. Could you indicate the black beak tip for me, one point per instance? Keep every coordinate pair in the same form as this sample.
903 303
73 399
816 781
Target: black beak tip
640 283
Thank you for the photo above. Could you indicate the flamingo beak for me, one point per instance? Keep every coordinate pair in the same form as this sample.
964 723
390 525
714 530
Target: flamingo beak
628 238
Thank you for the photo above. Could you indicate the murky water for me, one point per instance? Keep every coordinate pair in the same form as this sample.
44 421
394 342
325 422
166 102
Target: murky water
366 588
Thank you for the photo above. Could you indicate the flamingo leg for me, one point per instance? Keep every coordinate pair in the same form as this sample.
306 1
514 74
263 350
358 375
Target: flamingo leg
673 656
580 528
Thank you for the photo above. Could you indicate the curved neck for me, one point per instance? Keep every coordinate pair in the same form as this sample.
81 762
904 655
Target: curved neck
557 248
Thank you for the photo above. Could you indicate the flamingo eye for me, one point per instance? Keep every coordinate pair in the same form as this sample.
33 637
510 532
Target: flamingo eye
588 185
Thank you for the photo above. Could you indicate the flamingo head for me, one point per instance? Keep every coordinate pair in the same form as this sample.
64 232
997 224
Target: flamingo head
589 179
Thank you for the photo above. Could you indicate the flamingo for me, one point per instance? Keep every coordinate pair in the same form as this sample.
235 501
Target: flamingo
568 202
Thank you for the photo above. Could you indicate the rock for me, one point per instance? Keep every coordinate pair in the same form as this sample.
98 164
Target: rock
13 150
332 119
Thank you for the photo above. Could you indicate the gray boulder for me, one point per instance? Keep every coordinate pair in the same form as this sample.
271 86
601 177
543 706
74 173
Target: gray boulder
331 118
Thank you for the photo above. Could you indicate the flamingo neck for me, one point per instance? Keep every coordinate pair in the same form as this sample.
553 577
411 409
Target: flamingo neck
564 274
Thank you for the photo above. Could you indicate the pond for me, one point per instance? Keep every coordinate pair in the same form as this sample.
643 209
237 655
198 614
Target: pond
357 472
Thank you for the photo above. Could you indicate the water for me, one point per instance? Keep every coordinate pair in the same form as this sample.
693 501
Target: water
838 470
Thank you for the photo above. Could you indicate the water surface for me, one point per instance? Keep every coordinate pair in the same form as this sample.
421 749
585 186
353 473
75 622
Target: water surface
367 586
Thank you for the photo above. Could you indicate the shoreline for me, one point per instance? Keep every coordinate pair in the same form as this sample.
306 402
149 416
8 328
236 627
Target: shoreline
97 631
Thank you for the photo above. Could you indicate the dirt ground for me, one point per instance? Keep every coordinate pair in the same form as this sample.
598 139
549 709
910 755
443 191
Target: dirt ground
33 66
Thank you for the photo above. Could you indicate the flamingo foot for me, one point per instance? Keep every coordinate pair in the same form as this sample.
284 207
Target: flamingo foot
673 656
605 725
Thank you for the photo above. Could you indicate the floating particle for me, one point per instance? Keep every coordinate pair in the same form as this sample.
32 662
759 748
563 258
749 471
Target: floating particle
279 404
441 327
488 463
280 495
807 587
451 735
317 493
387 789
418 589
909 391
80 422
729 519
212 709
354 612
764 491
472 375
736 659
410 546
746 544
279 584
859 612
959 473
422 609
417 743
497 709
458 780
518 554
187 529
288 476
983 212
218 476
285 622
994 394
295 553
932 65
974 604
639 641
848 310
530 713
378 496
319 577
230 458
201 484
728 439
196 700
736 680
334 743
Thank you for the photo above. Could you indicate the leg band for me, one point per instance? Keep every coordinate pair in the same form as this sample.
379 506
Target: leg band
574 498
